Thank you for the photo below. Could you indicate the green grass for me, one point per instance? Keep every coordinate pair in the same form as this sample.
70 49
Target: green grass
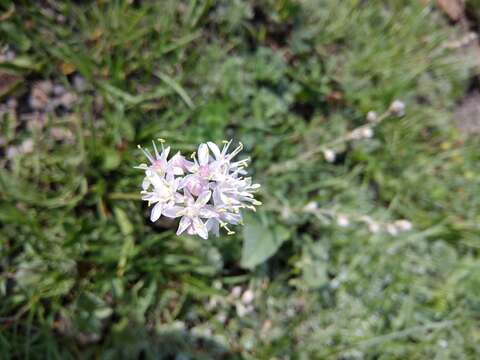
83 274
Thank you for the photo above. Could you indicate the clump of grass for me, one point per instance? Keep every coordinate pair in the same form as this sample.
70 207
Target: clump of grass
83 273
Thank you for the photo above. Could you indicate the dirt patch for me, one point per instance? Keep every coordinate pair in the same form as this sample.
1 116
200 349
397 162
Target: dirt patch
467 115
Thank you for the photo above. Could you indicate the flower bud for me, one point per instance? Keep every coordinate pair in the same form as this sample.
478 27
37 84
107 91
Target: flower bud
372 116
329 155
343 221
397 108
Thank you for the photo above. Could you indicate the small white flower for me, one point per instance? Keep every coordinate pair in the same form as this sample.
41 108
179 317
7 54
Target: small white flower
343 221
374 228
310 207
248 296
392 229
403 225
192 214
367 133
236 292
207 193
329 155
372 116
163 195
397 108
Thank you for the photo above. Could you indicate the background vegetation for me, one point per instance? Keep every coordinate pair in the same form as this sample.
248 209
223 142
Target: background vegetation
84 274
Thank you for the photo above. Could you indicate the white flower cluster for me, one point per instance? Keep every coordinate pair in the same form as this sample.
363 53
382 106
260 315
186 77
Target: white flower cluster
206 193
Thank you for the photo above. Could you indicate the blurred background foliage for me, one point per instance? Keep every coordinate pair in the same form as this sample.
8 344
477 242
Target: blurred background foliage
84 274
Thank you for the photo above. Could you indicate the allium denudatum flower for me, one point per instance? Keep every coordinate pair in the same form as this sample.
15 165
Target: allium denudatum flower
206 193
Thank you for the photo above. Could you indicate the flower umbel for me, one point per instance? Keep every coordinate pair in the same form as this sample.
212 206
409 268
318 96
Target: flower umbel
206 193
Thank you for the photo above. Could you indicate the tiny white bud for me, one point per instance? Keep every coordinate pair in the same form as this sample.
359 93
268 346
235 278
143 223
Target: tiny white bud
310 207
373 227
367 133
392 229
12 151
27 146
236 291
372 116
443 343
397 108
241 309
403 225
222 317
248 296
343 221
329 155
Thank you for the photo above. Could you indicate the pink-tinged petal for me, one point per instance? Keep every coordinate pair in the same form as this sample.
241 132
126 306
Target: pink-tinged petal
200 228
185 222
203 198
169 177
190 166
191 230
177 160
156 212
215 150
188 196
204 171
171 211
195 187
213 226
203 154
184 181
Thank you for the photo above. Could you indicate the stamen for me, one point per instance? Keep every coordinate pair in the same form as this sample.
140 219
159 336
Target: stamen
157 155
147 154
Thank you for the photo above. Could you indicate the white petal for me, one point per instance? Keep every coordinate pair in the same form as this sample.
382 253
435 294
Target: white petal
217 200
177 171
203 198
214 226
152 197
203 154
156 212
171 211
145 183
232 218
156 181
200 228
184 224
215 150
207 213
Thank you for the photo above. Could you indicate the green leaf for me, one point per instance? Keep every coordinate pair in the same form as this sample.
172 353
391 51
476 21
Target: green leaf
111 159
314 263
176 87
261 240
